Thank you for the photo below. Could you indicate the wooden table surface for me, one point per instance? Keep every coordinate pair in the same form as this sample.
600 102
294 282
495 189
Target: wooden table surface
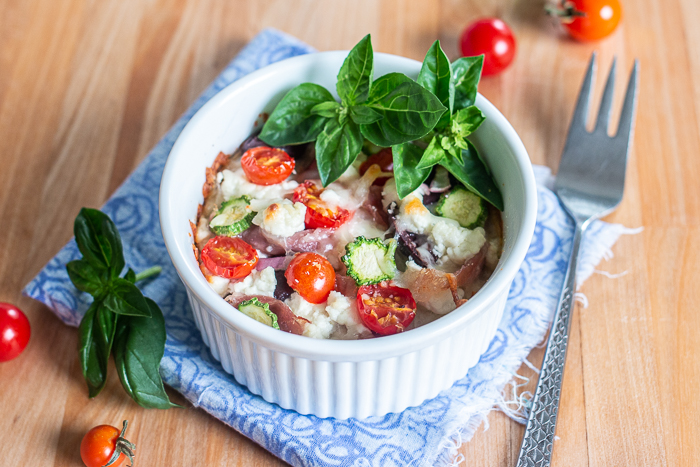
87 87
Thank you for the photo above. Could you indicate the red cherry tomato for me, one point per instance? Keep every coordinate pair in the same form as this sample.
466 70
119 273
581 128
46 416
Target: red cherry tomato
318 214
493 38
229 257
385 309
590 20
100 443
14 332
266 166
384 159
311 276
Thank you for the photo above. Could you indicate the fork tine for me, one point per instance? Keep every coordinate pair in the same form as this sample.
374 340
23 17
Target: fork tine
584 96
624 130
606 101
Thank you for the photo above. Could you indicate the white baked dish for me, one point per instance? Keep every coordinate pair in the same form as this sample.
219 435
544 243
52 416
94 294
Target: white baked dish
330 378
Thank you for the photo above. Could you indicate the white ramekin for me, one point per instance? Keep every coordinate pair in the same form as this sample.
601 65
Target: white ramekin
329 378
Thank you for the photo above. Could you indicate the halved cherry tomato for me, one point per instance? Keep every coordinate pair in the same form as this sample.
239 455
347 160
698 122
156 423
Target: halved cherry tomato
311 276
14 332
385 309
229 257
493 38
384 159
589 20
318 214
266 166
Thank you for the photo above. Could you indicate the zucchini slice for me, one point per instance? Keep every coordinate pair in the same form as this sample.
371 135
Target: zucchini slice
234 216
370 261
463 206
259 311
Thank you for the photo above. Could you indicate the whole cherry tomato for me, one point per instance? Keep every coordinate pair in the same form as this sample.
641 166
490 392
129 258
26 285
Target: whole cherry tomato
14 332
229 257
266 166
319 215
385 309
311 276
589 20
493 38
384 159
100 444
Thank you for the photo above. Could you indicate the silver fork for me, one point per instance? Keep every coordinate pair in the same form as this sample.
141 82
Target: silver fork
589 185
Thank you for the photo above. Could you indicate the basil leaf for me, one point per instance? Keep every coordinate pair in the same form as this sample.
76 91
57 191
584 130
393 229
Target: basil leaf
433 154
466 73
409 110
292 121
363 115
130 276
96 335
407 175
436 76
449 145
124 298
467 120
355 76
85 277
327 109
474 175
99 241
138 349
337 147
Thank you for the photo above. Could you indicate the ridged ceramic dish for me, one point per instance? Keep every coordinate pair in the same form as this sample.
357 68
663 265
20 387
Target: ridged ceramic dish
330 378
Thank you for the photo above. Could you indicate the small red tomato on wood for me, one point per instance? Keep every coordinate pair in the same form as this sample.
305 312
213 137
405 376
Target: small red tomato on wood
104 446
311 276
385 309
492 38
267 166
588 20
14 332
229 257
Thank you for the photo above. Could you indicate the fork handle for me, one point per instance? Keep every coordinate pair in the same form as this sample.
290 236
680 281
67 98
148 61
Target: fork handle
536 449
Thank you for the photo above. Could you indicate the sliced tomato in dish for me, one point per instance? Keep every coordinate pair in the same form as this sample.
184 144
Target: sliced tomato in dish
384 159
267 166
319 215
312 276
385 309
229 257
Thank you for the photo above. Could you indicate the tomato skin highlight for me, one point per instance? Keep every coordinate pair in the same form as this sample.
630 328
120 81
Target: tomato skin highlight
98 445
384 159
15 331
318 214
229 257
592 20
267 166
493 38
385 309
312 276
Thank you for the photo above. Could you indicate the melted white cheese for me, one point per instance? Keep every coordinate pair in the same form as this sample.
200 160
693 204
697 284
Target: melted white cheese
280 217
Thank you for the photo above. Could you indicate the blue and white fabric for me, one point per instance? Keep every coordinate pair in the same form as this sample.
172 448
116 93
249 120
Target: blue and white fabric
421 436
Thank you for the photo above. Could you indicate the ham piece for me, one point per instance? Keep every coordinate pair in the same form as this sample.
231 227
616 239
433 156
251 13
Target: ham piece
288 321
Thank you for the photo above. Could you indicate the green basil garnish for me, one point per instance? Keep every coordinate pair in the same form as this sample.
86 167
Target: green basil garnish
119 308
391 110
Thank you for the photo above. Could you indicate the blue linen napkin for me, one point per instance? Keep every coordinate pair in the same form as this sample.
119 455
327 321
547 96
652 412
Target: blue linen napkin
420 436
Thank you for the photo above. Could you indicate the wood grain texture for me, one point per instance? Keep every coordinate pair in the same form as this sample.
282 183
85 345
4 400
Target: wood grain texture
88 87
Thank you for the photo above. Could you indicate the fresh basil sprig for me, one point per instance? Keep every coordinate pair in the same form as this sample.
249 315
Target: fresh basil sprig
392 110
120 320
455 85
